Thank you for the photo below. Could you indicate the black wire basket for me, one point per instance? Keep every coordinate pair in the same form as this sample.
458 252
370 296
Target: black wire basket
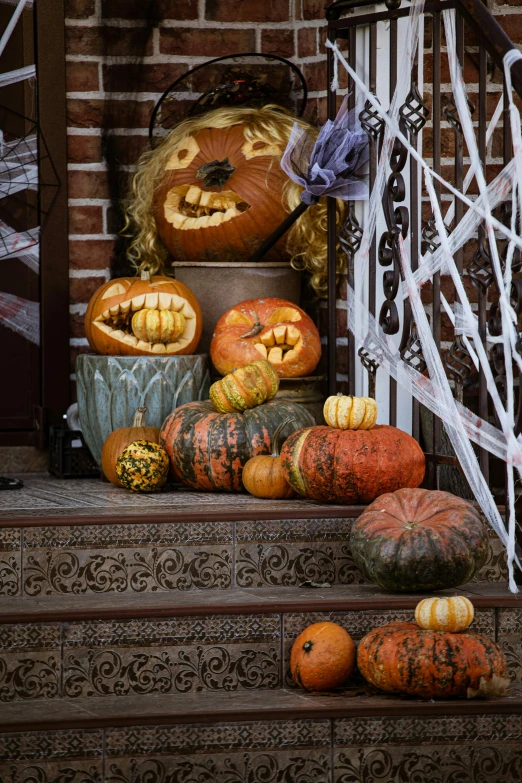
69 456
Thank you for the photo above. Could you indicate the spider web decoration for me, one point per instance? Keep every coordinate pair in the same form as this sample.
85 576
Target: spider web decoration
469 354
21 158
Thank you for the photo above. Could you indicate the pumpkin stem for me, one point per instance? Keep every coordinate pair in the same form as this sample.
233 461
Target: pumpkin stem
139 417
277 433
253 331
145 275
307 647
215 173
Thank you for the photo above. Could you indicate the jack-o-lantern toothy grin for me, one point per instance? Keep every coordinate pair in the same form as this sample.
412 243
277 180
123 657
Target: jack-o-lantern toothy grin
274 329
188 207
161 318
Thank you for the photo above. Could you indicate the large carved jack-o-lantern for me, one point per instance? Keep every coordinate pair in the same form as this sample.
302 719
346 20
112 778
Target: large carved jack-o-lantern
133 317
272 329
221 196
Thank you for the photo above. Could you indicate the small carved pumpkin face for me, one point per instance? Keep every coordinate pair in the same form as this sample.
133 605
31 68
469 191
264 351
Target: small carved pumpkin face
221 195
133 317
272 329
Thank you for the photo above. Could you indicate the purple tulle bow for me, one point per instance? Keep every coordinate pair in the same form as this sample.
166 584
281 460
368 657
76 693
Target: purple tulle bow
333 164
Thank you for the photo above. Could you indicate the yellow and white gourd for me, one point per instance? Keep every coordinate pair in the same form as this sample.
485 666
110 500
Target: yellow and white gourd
350 413
445 614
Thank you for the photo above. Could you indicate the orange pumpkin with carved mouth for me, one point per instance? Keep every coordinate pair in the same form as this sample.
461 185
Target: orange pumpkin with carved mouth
129 316
272 329
221 196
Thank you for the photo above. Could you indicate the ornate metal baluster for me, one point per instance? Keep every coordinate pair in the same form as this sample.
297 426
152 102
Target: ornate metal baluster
459 365
371 365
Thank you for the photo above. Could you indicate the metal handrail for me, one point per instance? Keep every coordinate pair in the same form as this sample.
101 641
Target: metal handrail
479 17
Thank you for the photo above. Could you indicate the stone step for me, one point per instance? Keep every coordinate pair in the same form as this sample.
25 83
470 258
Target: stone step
87 537
256 737
85 647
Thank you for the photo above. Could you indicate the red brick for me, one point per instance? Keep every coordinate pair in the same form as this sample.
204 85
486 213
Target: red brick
312 9
316 111
447 288
307 42
141 78
88 184
83 113
85 220
214 42
91 253
151 10
470 68
82 288
280 42
82 77
315 75
79 9
76 325
109 114
447 142
125 150
113 41
247 11
84 149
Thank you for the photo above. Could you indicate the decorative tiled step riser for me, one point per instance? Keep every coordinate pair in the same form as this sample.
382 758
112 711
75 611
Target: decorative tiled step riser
138 558
188 654
394 750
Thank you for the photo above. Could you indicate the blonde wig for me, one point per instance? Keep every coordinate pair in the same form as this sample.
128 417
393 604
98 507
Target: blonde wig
306 240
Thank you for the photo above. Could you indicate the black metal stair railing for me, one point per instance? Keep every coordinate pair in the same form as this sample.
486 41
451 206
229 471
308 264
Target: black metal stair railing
403 214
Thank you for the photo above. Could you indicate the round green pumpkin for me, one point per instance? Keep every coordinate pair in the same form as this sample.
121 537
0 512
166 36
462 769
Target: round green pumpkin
143 466
208 450
415 540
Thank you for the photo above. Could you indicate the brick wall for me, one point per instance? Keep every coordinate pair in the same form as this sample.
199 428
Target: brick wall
121 56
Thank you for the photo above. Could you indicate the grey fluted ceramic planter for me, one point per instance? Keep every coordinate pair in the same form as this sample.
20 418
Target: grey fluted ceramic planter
112 388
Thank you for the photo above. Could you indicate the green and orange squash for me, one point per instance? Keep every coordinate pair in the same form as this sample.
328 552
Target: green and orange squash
143 466
403 658
245 388
418 539
208 449
351 466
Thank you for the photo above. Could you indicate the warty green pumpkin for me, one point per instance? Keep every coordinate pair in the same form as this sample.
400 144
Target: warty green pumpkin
208 450
415 540
142 466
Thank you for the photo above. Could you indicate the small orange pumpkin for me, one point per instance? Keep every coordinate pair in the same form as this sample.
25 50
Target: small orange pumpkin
171 323
119 439
263 475
322 657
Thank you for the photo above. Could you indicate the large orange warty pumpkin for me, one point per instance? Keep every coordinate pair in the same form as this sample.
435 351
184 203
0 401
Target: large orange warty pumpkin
271 328
129 316
351 466
403 658
220 197
208 449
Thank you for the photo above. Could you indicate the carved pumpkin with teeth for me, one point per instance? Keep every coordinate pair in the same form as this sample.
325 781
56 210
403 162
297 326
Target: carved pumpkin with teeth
221 196
134 317
273 329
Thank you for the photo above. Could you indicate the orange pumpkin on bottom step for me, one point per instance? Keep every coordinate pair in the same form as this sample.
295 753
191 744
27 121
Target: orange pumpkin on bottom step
323 657
119 439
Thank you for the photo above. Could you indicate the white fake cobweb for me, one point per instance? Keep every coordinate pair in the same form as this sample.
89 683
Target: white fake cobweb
462 425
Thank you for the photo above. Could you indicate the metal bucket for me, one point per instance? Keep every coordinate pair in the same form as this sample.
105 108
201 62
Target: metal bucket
308 392
219 286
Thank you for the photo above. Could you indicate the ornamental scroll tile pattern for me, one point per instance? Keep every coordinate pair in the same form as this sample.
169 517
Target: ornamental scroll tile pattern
174 655
273 767
127 558
254 735
52 757
289 552
510 639
10 558
30 661
431 764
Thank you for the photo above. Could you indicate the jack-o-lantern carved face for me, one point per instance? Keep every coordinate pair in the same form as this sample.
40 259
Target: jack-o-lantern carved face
273 329
133 317
221 196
